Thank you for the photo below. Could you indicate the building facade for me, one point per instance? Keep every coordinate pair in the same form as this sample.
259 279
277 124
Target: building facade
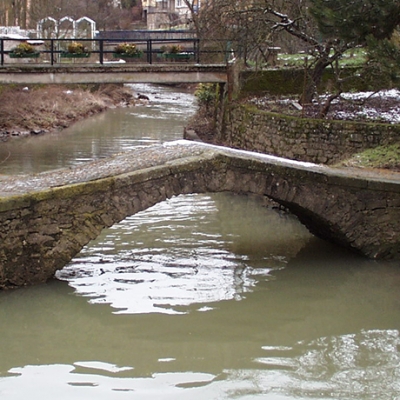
167 14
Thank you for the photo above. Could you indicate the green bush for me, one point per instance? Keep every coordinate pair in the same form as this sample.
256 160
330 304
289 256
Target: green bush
76 48
206 93
128 49
172 49
23 48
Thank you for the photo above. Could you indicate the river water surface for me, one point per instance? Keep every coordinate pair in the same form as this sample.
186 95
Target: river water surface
199 297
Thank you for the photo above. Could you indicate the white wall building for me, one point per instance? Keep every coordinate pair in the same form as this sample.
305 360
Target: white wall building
165 14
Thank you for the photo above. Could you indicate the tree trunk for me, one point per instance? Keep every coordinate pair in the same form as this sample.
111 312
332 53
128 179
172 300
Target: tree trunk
313 80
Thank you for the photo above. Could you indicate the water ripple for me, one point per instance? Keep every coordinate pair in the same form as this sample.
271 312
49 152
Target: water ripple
171 256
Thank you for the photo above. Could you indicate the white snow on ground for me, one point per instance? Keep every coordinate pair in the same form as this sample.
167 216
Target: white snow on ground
392 93
381 106
391 115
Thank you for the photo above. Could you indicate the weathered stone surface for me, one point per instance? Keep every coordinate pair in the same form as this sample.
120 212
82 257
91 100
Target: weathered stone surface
317 141
44 225
121 73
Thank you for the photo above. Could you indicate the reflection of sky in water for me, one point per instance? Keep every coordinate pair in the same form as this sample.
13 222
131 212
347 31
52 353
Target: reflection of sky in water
161 260
365 365
165 102
360 366
157 285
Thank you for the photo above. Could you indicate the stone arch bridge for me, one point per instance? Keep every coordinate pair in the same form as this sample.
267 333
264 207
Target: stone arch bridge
46 219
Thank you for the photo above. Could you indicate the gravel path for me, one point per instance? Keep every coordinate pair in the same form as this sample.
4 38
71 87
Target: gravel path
134 160
156 155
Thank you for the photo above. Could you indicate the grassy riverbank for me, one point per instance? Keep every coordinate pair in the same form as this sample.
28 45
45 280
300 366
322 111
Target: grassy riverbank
39 109
382 157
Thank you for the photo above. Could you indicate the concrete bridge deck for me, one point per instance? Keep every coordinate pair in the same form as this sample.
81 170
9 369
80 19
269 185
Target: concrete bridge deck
45 219
113 73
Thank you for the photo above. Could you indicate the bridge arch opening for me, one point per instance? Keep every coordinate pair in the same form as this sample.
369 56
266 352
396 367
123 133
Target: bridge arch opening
196 248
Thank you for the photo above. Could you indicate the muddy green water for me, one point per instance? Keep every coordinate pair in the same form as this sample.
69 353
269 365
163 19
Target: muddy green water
199 297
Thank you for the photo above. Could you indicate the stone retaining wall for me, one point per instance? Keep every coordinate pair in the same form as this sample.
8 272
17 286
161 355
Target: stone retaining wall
286 81
318 141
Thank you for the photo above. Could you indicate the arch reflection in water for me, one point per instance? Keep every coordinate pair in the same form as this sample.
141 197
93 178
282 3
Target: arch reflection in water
187 250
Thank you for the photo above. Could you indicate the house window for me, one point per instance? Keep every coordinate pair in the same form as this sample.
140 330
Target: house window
161 4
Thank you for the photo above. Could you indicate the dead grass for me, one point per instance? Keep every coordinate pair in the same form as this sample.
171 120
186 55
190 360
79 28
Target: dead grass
54 107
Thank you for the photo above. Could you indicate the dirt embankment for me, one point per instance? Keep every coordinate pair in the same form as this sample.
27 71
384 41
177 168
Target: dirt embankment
34 110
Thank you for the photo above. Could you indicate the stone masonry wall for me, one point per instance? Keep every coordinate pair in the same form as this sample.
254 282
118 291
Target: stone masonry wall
317 141
41 230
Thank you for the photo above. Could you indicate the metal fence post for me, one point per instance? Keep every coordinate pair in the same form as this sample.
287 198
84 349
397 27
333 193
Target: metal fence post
149 51
101 49
52 51
197 50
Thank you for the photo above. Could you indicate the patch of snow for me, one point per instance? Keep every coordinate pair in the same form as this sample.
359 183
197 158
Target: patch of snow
383 94
391 114
13 36
35 42
382 106
248 154
119 61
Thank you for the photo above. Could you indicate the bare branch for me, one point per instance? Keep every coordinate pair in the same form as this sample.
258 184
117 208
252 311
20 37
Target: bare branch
289 25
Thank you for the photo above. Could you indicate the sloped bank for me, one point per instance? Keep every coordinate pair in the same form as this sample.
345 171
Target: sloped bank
39 109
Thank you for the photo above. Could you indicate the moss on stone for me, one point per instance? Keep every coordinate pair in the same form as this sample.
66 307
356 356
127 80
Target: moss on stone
281 82
301 138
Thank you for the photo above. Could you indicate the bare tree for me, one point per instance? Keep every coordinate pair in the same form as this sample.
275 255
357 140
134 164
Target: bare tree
323 52
231 25
14 13
255 26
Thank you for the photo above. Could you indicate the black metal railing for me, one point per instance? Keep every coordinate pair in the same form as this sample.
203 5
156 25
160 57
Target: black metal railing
102 51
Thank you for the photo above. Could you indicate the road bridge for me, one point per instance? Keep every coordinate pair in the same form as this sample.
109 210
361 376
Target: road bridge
46 219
